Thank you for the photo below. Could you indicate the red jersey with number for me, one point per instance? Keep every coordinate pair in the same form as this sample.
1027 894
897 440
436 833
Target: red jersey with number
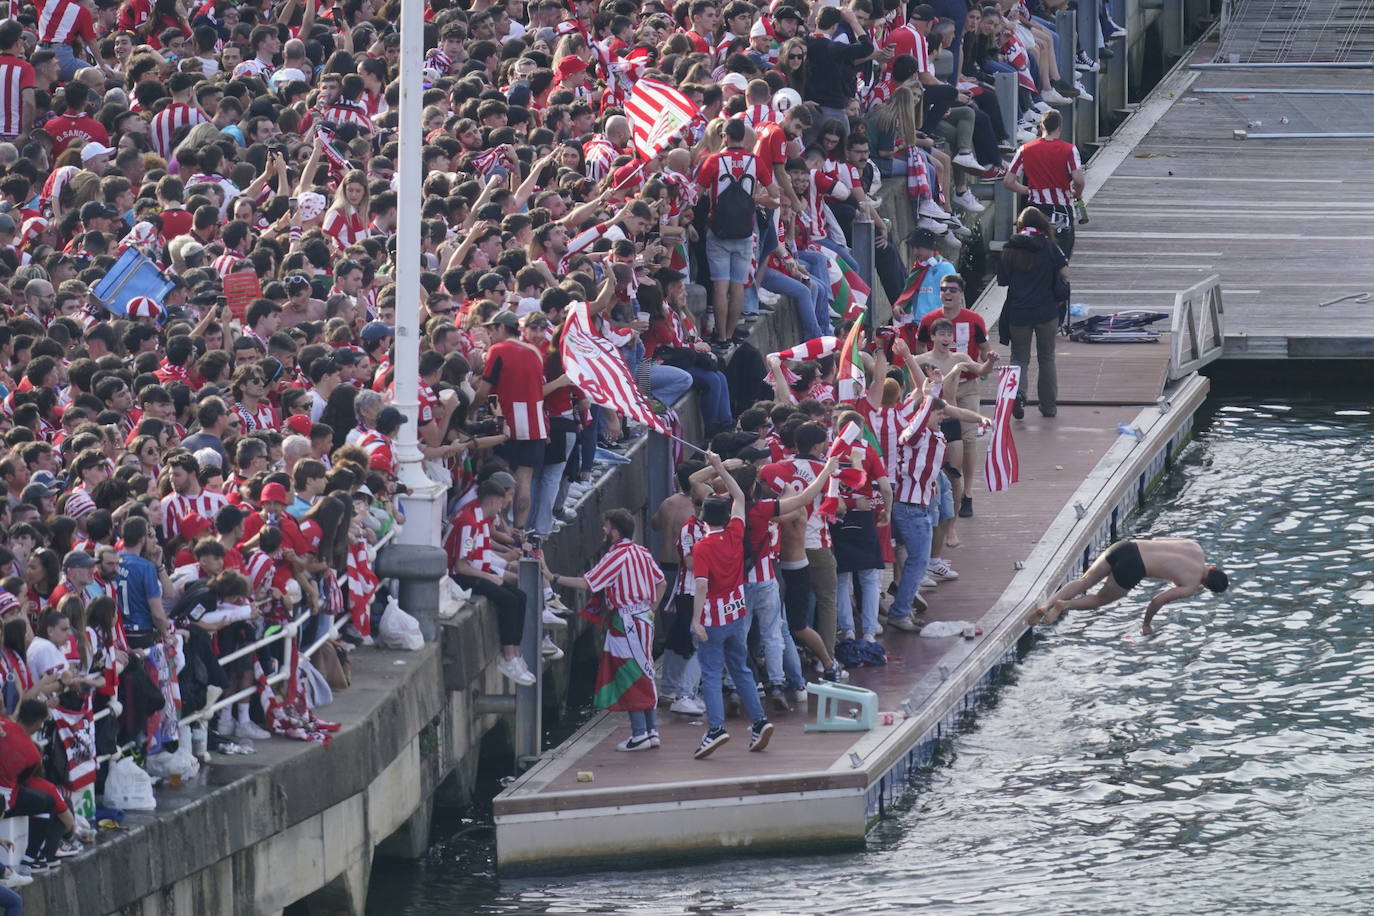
718 558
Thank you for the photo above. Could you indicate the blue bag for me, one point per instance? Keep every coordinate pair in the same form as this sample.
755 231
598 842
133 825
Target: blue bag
134 274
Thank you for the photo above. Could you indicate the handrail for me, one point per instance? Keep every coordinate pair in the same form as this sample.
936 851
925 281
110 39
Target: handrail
1196 337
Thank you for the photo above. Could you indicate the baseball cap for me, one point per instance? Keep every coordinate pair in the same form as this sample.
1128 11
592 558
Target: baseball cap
923 238
299 424
734 81
787 12
78 559
93 149
209 458
506 319
570 65
374 331
274 493
192 525
389 417
504 479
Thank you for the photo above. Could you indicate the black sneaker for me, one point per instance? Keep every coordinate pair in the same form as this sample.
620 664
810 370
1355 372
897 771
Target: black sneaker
966 507
40 865
1018 409
710 741
760 733
777 695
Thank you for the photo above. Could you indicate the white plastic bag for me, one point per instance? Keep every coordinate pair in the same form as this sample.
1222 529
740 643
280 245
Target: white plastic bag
399 630
940 629
452 597
128 787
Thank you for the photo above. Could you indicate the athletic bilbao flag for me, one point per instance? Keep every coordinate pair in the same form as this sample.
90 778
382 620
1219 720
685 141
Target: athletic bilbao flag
1002 467
657 112
594 366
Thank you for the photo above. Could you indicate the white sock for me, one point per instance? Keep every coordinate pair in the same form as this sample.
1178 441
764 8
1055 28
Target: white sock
241 712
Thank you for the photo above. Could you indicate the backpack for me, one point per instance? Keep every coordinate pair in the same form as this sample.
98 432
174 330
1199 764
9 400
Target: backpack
732 214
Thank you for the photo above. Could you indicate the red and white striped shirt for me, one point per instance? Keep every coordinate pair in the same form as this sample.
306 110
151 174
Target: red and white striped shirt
718 559
265 417
693 530
206 503
379 453
16 75
918 459
627 574
342 111
170 120
599 154
59 21
79 504
516 375
344 229
473 536
755 116
761 529
1046 167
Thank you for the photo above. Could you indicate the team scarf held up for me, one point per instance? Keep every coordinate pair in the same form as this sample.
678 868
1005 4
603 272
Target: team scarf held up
1001 468
594 366
657 113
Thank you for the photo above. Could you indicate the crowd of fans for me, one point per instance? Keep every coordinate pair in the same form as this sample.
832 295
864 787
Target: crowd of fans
187 473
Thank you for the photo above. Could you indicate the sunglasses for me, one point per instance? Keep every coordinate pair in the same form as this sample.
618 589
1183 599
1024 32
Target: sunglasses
796 57
950 289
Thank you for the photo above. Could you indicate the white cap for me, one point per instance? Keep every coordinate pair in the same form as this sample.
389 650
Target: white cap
208 458
525 306
93 149
286 75
735 81
758 30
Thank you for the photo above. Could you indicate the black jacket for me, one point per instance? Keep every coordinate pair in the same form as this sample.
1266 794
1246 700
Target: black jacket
830 74
1030 292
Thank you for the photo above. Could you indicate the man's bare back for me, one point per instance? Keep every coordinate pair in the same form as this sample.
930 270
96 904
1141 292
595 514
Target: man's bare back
1124 564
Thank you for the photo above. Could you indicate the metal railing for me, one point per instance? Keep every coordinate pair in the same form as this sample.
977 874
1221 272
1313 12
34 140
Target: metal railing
1196 336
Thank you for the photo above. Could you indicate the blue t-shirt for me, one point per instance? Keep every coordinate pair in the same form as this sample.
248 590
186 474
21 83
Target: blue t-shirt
136 583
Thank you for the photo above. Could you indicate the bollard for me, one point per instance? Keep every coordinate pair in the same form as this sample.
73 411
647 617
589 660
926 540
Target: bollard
528 700
1003 200
863 253
419 569
1171 30
660 486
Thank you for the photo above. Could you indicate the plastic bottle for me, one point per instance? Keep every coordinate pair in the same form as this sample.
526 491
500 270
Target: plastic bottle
1082 210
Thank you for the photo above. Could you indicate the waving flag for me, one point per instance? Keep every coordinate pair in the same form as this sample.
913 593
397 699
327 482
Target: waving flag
657 112
811 349
849 375
594 366
848 292
1002 467
625 677
487 162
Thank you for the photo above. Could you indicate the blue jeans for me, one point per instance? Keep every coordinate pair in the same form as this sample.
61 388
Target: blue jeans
67 61
870 581
643 721
714 398
911 527
818 266
544 489
812 313
669 384
765 603
725 647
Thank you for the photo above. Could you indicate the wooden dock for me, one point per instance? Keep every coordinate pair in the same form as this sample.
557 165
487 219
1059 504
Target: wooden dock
1173 199
1285 223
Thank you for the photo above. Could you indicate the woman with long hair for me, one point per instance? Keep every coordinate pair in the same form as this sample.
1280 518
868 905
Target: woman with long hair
42 571
346 219
792 64
1036 275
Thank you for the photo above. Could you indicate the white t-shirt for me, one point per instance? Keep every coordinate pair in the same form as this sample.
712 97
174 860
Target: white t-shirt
44 657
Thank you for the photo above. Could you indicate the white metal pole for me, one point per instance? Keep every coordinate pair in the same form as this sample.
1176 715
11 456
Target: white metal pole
424 504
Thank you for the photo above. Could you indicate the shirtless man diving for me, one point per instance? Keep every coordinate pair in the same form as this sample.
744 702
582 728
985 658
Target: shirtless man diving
1124 564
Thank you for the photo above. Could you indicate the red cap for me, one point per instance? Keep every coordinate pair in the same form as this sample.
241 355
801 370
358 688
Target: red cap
274 493
570 65
300 424
193 524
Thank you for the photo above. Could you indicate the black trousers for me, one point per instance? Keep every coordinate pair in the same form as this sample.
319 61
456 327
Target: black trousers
509 603
45 833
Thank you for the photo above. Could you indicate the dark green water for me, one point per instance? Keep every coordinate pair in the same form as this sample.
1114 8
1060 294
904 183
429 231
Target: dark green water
1225 765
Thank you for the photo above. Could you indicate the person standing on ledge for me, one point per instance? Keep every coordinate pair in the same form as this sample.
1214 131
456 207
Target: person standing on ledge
1178 560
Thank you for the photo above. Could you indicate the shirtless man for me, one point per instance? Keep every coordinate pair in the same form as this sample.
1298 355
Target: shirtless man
952 364
1178 560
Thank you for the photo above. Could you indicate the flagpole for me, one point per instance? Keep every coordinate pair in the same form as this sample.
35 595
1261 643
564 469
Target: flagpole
424 502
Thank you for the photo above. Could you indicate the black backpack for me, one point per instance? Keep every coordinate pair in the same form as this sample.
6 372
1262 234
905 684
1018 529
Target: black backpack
744 374
732 216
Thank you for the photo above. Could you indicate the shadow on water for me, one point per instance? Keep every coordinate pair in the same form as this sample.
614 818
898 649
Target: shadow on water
1225 764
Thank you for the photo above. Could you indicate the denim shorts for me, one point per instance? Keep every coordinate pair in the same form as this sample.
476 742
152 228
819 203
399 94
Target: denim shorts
942 506
729 259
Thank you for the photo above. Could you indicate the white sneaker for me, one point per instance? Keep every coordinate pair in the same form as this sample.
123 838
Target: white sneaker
688 706
1041 107
928 582
642 743
845 634
514 670
970 162
1083 94
247 728
768 298
952 237
553 620
554 603
1053 96
940 569
932 209
970 203
926 222
1025 136
1115 32
14 879
549 650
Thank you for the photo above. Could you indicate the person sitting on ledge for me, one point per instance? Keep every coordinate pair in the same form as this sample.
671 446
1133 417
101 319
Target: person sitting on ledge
1179 560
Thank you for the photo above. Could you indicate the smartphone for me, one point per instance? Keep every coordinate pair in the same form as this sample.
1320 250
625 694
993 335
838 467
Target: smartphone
292 202
221 302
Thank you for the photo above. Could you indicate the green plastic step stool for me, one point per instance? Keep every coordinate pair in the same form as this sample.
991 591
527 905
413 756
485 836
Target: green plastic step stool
828 699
